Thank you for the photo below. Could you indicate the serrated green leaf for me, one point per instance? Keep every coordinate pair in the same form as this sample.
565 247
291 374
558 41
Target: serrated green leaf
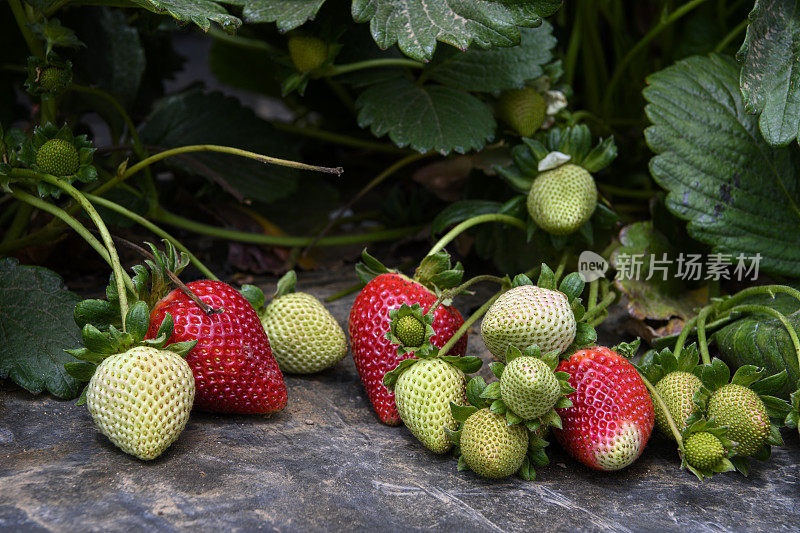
286 14
497 69
416 25
770 79
35 326
196 118
737 193
200 12
426 118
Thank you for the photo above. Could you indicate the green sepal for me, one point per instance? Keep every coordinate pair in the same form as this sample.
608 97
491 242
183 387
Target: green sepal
82 397
551 418
550 359
492 391
793 418
532 351
585 334
390 378
255 296
181 348
475 388
84 354
520 280
499 407
547 278
563 402
512 418
370 268
436 273
516 179
536 443
724 465
763 453
512 352
566 388
715 375
741 464
746 375
96 341
453 436
286 284
600 156
137 321
82 371
425 350
538 457
469 364
572 285
578 309
526 471
777 409
462 412
532 426
497 369
562 376
98 312
771 385
462 464
628 349
166 327
774 437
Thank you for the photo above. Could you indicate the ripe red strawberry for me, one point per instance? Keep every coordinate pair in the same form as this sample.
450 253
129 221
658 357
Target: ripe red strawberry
233 366
373 353
611 416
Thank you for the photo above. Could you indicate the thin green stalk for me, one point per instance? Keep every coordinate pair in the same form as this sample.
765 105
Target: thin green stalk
596 311
452 293
73 223
687 327
593 287
663 406
338 70
468 324
276 240
116 266
761 289
337 138
34 45
474 221
377 180
19 224
138 148
621 67
153 228
242 42
723 44
701 334
562 265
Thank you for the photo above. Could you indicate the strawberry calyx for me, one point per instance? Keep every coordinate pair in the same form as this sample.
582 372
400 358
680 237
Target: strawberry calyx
56 151
48 77
500 405
480 396
657 364
254 295
437 273
411 330
370 268
706 449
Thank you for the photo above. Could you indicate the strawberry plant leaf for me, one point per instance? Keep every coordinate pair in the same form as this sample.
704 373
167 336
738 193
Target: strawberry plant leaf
200 12
416 25
770 77
35 326
426 118
196 118
761 340
497 69
736 192
286 14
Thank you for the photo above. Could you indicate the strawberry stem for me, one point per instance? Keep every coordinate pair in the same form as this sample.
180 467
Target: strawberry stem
468 324
596 311
108 204
474 221
452 293
701 334
73 223
225 150
670 421
337 70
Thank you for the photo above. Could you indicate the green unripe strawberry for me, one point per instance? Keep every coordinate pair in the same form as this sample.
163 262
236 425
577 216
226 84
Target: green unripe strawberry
410 331
677 390
522 109
529 388
303 335
744 413
58 158
54 79
563 199
704 451
528 315
307 53
423 394
490 447
141 399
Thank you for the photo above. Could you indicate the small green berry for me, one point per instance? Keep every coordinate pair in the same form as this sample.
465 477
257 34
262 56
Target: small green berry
307 53
522 109
54 79
704 450
410 331
58 158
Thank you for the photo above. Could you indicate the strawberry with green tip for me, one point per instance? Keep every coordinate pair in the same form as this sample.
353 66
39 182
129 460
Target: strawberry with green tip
540 315
522 109
744 405
612 417
303 335
676 381
140 392
426 385
562 199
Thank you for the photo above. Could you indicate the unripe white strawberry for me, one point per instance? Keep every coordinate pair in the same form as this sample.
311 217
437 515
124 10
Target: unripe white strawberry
303 335
528 315
141 399
529 387
563 199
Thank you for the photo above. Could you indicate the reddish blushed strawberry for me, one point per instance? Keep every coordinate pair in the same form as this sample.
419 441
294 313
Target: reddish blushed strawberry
611 416
233 366
373 353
